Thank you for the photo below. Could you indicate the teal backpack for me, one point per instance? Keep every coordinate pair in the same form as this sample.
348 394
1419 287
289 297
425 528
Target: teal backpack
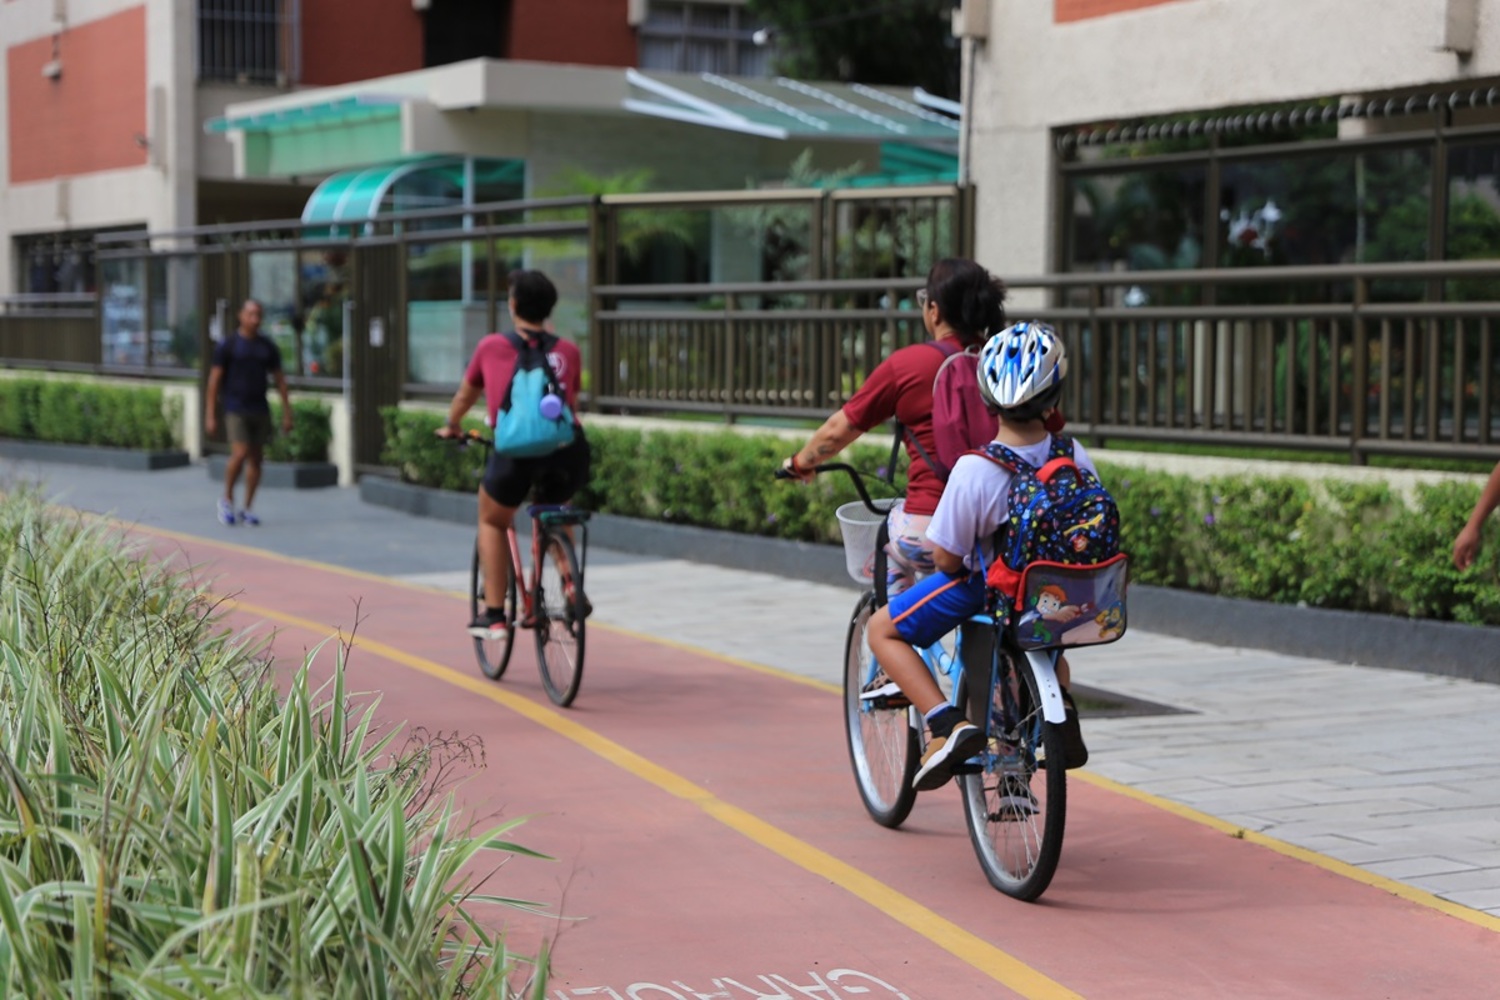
533 420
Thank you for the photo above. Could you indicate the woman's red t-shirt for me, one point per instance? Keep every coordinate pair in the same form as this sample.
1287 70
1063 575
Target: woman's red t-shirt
494 363
901 387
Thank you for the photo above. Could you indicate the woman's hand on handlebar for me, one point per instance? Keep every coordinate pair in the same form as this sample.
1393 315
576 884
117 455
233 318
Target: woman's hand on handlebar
791 470
448 432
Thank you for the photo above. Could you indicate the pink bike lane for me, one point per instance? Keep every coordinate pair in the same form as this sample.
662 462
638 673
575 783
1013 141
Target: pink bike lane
708 840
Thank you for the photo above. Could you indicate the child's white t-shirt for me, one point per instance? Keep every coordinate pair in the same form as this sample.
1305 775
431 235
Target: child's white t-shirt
974 503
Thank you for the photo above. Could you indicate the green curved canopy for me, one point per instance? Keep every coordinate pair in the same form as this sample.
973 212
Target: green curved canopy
361 195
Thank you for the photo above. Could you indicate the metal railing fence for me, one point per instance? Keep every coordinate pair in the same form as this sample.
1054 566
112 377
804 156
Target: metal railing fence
1355 359
1322 366
57 330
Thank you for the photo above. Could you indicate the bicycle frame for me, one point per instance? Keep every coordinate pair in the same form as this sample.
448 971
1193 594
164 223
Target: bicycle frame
951 666
544 517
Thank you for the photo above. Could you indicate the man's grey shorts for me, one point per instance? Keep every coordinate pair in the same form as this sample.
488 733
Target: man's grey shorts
253 429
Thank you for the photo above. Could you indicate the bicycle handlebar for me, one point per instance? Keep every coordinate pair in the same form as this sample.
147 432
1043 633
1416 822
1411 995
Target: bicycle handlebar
465 439
853 473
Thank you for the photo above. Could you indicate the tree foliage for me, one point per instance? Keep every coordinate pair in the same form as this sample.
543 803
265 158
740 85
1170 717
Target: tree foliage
905 42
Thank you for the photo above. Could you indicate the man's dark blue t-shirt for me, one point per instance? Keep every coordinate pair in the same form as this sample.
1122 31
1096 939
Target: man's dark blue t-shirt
247 363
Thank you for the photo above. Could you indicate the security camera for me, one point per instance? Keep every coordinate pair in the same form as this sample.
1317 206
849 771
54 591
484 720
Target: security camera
53 69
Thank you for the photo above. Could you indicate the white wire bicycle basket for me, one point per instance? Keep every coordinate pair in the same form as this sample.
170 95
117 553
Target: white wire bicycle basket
860 527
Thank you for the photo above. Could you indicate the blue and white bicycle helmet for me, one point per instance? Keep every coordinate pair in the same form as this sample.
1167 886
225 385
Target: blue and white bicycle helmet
1023 364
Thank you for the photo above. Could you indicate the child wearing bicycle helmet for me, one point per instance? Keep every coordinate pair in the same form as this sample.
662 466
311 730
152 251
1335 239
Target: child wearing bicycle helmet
1021 373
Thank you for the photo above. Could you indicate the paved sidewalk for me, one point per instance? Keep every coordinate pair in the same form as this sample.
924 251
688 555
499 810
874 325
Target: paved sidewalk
1395 772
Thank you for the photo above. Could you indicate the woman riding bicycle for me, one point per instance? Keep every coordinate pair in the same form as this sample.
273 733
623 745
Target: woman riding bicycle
961 304
508 481
1021 374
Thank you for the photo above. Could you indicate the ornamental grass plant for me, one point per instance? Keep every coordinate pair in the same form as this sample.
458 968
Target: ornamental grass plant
171 826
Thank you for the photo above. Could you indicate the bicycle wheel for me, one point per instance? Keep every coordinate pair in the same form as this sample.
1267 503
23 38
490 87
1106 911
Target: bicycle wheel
882 742
1016 805
493 654
560 618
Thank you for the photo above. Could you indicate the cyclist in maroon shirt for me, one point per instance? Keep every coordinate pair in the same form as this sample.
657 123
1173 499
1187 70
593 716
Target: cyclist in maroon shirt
962 304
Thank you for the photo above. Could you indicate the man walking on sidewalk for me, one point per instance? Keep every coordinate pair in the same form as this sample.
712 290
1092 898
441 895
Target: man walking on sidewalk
242 362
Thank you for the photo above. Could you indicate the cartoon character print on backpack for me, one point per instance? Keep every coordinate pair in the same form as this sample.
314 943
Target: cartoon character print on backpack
1059 513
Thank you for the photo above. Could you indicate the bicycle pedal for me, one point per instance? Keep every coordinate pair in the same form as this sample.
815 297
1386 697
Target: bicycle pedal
968 767
887 703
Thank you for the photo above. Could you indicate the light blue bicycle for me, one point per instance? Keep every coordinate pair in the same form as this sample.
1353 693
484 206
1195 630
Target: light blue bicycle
1015 792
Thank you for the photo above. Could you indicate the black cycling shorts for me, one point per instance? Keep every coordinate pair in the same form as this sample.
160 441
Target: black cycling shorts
552 478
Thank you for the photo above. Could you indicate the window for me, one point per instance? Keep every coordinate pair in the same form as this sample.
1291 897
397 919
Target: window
250 41
456 30
702 38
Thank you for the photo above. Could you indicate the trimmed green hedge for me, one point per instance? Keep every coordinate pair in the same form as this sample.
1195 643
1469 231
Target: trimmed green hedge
87 413
1331 544
312 431
715 480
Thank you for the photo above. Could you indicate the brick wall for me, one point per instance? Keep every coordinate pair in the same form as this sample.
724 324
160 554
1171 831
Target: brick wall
588 32
348 40
87 119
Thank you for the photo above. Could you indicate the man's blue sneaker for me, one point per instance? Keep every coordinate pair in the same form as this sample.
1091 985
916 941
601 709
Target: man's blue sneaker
226 512
246 517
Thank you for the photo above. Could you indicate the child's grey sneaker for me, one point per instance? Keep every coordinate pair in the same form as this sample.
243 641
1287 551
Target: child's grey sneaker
1014 799
226 512
883 693
246 517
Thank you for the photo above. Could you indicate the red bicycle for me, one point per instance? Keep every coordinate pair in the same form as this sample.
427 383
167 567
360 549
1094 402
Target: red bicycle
551 603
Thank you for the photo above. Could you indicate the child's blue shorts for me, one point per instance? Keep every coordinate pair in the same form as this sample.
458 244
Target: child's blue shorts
936 606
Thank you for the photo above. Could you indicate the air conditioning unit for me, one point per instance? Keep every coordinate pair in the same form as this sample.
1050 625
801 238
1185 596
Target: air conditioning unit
1460 25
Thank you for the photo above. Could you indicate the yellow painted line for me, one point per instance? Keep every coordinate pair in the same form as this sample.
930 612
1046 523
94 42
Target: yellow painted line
1409 893
1399 889
999 965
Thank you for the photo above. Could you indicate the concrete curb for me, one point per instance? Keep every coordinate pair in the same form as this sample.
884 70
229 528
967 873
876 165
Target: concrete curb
1420 645
283 475
1432 647
422 501
94 455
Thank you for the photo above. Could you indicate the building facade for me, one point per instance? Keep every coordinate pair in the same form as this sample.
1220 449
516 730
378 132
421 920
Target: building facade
1143 134
101 125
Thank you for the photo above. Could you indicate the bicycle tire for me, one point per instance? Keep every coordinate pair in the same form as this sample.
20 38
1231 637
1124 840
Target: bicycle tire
882 741
1018 844
493 654
560 619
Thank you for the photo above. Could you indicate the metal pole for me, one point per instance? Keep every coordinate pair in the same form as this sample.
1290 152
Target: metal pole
965 140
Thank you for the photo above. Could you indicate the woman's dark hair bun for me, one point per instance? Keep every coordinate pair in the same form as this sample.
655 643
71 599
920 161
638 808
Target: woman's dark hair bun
969 298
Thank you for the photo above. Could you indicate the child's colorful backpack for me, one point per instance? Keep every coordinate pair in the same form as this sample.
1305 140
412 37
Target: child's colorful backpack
1058 572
